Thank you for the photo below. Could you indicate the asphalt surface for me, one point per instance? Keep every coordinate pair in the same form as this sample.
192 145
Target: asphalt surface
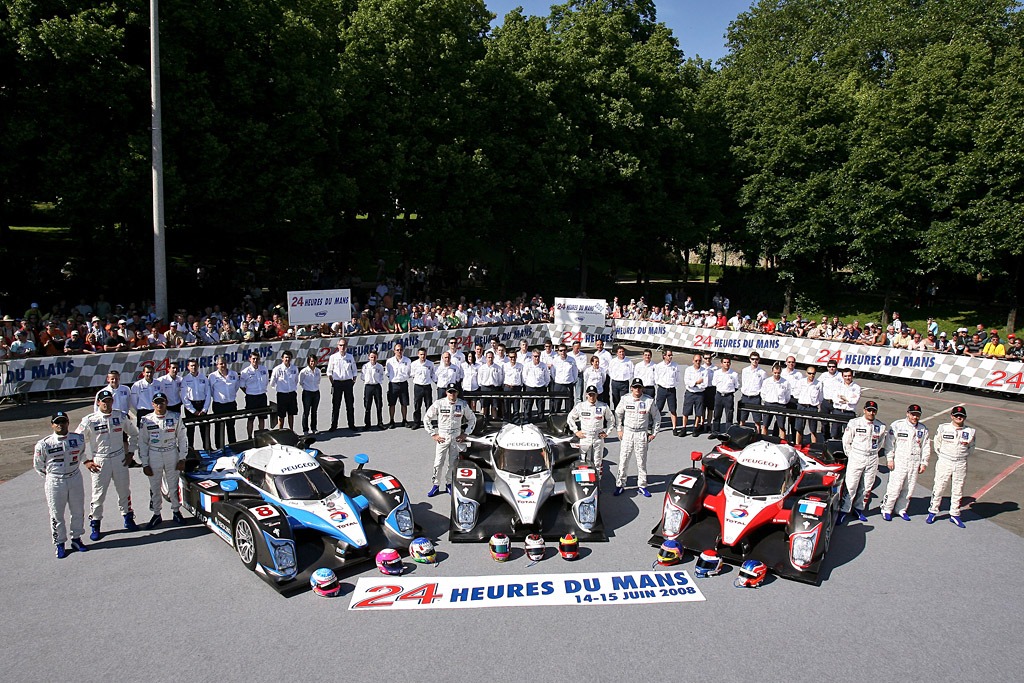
897 599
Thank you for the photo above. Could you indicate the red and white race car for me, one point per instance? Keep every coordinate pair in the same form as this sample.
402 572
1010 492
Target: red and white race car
753 497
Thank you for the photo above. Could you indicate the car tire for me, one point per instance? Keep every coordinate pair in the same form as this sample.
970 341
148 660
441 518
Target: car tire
245 542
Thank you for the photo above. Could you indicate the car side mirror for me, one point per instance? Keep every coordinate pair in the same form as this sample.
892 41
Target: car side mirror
361 460
696 455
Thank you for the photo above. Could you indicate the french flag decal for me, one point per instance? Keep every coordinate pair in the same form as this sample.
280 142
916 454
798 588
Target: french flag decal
812 507
386 483
585 476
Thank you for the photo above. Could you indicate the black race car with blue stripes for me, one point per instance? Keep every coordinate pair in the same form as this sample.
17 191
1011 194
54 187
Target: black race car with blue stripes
288 509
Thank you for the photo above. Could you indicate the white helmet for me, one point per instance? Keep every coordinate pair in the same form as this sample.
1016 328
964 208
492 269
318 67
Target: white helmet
535 547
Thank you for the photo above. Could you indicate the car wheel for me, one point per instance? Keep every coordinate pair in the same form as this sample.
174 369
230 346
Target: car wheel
245 542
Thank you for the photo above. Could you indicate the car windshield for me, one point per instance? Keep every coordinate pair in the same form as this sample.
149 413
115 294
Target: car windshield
312 484
522 462
757 483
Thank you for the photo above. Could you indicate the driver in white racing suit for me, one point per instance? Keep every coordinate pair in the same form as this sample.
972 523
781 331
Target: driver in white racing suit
591 420
162 449
443 421
954 442
109 441
58 458
863 438
907 448
639 421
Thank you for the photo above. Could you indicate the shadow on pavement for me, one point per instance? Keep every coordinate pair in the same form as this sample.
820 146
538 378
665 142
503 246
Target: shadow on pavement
168 531
987 510
848 541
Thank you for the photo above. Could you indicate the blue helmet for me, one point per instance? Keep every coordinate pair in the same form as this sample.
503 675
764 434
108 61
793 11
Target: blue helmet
708 564
752 574
670 553
324 582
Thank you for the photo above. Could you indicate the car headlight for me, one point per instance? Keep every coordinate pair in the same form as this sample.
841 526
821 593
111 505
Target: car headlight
403 518
674 518
465 514
801 547
587 513
284 556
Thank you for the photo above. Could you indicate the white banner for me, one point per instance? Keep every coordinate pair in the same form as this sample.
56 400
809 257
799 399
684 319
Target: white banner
523 590
319 306
580 311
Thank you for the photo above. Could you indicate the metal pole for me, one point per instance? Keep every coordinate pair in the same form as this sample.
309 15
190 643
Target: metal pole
159 246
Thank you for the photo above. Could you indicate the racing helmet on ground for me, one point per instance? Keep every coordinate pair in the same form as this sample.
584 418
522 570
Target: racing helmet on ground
535 547
752 574
569 546
325 583
422 550
389 562
501 547
670 553
708 564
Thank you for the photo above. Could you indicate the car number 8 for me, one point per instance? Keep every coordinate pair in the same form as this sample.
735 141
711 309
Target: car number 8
264 511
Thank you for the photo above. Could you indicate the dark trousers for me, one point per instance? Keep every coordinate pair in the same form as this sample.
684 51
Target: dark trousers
512 404
619 389
139 414
204 430
342 388
373 393
310 402
486 403
812 425
723 407
556 403
528 403
649 390
420 397
229 426
838 427
745 413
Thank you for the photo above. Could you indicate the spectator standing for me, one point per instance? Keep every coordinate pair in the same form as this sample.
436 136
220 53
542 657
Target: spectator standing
993 347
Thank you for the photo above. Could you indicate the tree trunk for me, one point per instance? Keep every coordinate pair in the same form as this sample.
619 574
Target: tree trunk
788 298
686 266
885 307
1011 318
707 272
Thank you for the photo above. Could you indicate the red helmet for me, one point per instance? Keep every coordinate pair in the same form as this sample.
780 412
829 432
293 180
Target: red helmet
569 546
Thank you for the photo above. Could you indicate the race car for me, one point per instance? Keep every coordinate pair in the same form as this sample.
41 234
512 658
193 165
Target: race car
755 497
521 479
288 509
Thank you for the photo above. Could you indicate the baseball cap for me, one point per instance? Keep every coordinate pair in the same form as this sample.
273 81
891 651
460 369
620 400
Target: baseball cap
637 382
159 396
591 389
452 386
958 411
105 395
74 332
994 332
58 416
122 321
871 405
942 334
914 409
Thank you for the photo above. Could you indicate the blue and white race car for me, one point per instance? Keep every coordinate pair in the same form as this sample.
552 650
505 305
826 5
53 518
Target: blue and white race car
266 500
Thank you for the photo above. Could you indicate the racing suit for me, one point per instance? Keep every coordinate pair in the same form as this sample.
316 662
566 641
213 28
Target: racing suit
162 444
592 419
106 435
862 441
907 448
444 418
639 421
952 447
58 460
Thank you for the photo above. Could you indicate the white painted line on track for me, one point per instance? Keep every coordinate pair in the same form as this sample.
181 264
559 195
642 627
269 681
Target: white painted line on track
15 438
941 412
1008 455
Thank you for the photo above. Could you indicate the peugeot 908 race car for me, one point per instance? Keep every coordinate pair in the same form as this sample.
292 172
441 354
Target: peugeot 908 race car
752 497
524 479
266 500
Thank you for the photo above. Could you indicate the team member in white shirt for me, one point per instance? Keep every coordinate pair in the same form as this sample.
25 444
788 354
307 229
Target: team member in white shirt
808 393
470 368
224 389
751 379
421 371
845 397
196 399
170 386
373 393
582 362
776 392
253 381
141 397
726 382
536 377
398 368
563 374
309 381
666 379
342 371
644 370
458 358
830 381
490 377
447 373
695 380
620 373
121 393
595 376
794 377
512 383
285 380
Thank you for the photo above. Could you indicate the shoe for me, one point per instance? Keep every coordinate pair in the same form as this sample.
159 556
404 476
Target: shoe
886 516
94 524
176 516
76 544
956 520
153 523
62 552
841 518
905 516
618 491
334 428
860 515
433 491
129 522
392 425
448 489
930 519
405 423
644 492
676 432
